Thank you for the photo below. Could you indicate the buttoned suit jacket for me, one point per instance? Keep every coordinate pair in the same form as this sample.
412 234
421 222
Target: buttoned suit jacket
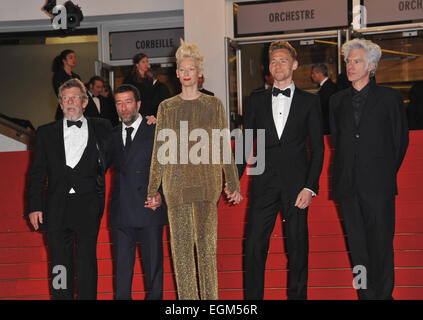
49 165
368 156
131 176
297 157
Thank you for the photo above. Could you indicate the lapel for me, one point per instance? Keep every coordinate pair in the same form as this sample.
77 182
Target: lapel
92 134
349 110
135 146
118 139
60 142
322 88
370 103
269 115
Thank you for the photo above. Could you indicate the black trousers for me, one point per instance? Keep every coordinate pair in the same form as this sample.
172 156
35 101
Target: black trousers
260 224
369 222
77 237
124 247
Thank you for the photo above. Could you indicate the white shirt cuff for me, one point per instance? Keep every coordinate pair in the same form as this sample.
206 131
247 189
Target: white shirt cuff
313 194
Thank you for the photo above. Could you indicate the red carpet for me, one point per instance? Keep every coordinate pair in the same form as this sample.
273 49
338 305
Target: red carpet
24 257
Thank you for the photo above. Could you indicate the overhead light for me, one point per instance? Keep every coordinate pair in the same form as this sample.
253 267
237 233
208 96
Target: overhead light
71 39
74 14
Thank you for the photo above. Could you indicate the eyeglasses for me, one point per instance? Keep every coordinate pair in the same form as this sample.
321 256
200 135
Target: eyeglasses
75 98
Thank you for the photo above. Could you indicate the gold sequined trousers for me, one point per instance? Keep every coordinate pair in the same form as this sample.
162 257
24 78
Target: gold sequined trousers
194 225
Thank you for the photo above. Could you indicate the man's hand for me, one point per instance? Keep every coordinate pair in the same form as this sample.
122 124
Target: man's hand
303 199
155 202
151 120
35 218
234 197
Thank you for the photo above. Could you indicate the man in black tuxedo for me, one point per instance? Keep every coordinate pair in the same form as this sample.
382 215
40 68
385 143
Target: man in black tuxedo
291 119
319 75
98 106
370 135
201 80
415 108
130 149
69 155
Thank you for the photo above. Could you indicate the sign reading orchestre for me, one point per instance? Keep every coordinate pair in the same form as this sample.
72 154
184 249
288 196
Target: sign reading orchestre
393 10
154 43
260 18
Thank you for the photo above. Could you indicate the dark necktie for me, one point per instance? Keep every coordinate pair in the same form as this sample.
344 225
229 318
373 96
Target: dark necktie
286 92
74 123
128 141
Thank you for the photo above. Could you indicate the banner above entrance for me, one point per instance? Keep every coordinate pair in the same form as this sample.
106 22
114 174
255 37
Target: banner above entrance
157 43
389 11
258 18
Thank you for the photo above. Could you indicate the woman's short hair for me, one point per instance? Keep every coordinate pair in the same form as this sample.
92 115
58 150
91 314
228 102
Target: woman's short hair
282 44
73 83
373 51
186 50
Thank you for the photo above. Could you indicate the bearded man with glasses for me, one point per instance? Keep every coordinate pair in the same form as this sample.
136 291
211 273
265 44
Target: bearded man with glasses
69 160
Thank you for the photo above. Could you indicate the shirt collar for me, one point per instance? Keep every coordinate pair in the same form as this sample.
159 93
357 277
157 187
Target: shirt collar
323 82
291 86
362 91
82 118
135 125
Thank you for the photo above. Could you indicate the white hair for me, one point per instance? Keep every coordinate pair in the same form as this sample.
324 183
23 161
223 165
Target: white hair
186 50
373 51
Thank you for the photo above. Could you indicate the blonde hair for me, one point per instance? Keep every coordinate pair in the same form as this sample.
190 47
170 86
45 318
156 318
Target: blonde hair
282 44
186 50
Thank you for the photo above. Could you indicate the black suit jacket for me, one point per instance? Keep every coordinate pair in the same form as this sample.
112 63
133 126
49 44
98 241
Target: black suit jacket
108 110
415 108
49 164
131 178
368 157
288 158
325 92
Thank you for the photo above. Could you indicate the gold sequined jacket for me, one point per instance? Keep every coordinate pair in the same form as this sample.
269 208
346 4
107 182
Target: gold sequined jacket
189 162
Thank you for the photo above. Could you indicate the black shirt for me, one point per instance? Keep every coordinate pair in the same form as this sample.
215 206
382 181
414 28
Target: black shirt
359 99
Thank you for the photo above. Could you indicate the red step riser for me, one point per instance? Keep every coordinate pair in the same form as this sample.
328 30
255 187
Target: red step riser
225 263
225 246
327 242
408 293
226 280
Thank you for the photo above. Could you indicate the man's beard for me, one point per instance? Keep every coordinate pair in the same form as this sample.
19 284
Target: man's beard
131 119
76 116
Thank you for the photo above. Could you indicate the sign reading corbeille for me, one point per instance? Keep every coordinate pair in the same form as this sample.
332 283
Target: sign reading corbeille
382 11
261 18
154 43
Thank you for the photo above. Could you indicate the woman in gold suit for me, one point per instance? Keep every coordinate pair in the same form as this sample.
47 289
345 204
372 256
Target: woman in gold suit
190 173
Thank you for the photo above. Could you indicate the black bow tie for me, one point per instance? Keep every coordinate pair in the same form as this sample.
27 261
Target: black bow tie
76 123
286 92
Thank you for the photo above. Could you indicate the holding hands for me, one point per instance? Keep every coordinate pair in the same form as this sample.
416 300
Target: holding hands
154 203
234 197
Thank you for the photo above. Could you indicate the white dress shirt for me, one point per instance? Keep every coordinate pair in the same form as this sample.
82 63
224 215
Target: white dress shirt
280 108
75 140
135 125
96 101
281 105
